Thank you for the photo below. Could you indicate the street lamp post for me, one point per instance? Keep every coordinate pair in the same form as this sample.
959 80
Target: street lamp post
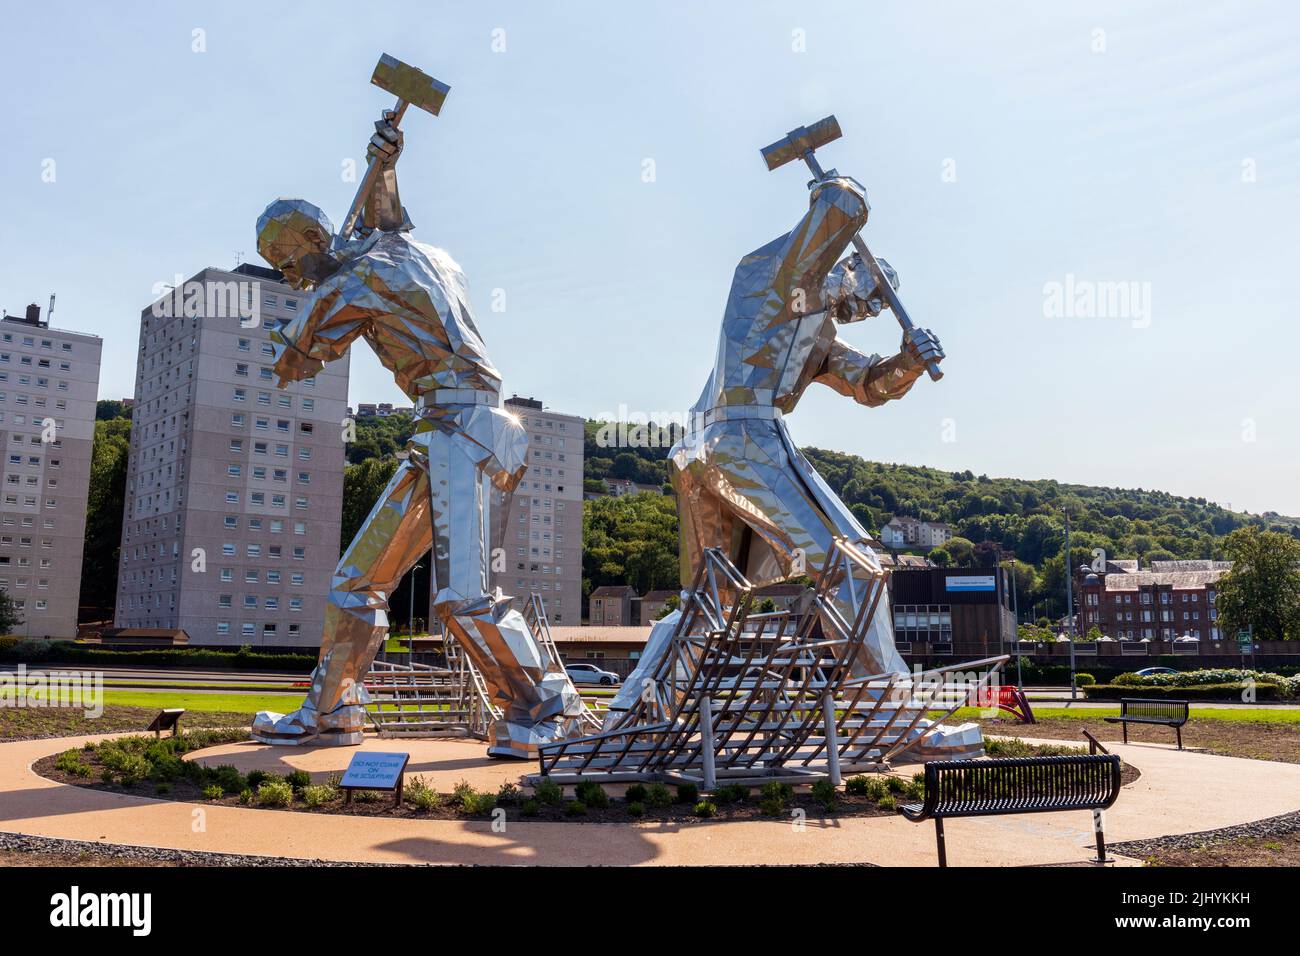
1069 605
1015 611
410 620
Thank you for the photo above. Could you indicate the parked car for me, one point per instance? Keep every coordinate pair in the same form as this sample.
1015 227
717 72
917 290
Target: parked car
590 674
1152 671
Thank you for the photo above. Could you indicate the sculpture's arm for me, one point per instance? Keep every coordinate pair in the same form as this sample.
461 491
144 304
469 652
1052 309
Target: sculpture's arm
318 335
869 379
383 208
837 209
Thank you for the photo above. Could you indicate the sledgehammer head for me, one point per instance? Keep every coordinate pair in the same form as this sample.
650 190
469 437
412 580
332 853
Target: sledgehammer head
409 84
797 142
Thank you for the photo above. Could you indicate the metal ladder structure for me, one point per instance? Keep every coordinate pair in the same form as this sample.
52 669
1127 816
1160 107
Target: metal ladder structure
746 696
540 627
419 700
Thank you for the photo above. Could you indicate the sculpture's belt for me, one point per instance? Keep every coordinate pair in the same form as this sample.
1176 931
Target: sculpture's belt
730 413
458 396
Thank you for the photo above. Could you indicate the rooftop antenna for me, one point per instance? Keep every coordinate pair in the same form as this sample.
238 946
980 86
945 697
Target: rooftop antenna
49 316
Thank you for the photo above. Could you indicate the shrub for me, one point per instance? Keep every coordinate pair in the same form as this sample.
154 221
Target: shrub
635 793
775 790
705 809
592 794
1084 679
245 796
132 769
365 796
162 788
530 808
731 793
887 802
317 795
166 768
771 807
1225 692
824 792
857 785
636 809
298 779
213 792
420 795
274 793
508 794
70 762
548 792
915 790
258 777
575 808
470 800
687 793
230 779
657 795
895 784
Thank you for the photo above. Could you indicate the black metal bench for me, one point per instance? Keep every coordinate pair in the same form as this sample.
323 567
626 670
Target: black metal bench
979 788
1136 710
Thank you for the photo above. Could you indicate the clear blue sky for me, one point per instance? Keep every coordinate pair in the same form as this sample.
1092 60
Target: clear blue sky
1169 159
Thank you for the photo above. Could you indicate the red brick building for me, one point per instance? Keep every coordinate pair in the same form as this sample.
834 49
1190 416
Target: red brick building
1166 601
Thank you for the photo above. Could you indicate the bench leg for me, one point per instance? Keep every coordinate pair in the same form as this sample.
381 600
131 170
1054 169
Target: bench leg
1125 726
938 836
1099 829
1179 732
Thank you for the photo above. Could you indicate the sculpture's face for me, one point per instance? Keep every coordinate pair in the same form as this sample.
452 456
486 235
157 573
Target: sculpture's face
851 293
294 236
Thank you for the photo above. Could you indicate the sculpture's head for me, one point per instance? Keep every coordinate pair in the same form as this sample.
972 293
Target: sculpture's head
294 236
851 293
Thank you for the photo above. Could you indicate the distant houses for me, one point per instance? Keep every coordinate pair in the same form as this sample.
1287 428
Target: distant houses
902 531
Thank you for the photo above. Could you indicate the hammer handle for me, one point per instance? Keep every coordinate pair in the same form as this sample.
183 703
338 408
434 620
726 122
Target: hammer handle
367 182
886 288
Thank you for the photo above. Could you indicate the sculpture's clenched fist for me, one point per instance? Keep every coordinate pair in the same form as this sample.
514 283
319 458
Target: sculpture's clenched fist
921 346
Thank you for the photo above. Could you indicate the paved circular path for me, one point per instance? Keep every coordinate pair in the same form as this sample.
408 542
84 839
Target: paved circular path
1177 793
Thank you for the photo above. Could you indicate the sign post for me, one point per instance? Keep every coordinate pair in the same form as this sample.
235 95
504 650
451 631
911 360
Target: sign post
370 770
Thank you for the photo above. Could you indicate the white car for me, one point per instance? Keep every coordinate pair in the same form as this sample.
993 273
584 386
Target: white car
590 674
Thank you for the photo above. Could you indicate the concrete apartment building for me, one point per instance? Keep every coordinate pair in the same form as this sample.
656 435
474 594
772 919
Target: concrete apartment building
541 532
46 375
234 487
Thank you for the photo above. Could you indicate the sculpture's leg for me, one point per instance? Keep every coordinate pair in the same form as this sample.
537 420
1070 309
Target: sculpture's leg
752 499
394 536
538 702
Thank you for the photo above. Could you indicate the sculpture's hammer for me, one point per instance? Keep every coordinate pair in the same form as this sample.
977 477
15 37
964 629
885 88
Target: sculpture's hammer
802 143
412 88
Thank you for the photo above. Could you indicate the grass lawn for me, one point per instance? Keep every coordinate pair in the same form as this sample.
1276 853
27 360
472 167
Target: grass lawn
196 700
24 723
1252 715
1254 737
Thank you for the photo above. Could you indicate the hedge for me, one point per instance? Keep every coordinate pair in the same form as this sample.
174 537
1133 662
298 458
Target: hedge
66 652
1219 692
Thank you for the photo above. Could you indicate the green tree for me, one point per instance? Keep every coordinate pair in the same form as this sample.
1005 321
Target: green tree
940 557
1262 591
362 484
105 502
630 540
9 617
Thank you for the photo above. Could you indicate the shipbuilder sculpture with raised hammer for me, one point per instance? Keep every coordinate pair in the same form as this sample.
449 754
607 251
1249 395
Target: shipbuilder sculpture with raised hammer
410 302
742 485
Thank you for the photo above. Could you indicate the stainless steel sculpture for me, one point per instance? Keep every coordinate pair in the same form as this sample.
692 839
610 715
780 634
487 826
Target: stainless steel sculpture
742 696
743 488
410 303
